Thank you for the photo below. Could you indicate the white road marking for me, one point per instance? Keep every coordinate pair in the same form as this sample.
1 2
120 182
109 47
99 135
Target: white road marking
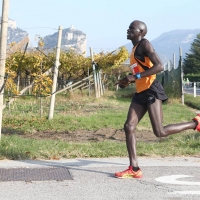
186 192
172 180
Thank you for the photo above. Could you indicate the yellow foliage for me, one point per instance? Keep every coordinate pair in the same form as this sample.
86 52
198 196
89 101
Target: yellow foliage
12 44
40 41
10 85
72 66
42 85
108 62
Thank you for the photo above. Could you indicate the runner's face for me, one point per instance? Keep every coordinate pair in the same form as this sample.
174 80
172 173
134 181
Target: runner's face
133 31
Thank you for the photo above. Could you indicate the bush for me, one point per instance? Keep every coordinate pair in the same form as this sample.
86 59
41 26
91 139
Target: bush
192 77
192 102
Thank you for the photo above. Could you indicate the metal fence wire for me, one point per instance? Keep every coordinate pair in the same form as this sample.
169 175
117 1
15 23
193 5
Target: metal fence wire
170 79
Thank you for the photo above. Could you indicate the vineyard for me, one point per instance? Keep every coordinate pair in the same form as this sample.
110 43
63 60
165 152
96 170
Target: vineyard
31 72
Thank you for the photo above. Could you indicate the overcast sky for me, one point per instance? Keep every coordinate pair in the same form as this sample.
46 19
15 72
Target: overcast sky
104 22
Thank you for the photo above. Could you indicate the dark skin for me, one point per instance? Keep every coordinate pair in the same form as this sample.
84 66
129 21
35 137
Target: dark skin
137 30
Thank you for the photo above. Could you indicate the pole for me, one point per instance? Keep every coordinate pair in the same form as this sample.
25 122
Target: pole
3 44
195 90
174 62
94 72
88 83
55 74
97 80
182 91
100 82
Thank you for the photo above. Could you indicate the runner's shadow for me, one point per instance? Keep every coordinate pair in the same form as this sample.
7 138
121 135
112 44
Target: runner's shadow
78 165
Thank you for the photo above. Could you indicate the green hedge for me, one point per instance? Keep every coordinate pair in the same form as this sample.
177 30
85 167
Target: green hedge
191 101
192 77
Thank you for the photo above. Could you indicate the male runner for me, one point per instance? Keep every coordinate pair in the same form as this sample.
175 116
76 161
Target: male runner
145 64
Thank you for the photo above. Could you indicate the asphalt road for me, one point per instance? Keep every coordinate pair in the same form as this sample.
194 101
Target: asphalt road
170 178
191 91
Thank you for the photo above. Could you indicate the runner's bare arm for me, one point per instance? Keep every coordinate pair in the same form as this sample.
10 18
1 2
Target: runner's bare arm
157 67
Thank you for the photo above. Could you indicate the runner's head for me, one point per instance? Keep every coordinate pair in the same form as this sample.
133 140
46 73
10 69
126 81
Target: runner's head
136 29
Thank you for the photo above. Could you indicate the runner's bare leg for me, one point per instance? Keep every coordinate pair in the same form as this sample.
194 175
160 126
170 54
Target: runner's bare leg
156 118
135 114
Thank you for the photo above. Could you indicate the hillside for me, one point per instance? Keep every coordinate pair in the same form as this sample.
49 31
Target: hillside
15 34
71 39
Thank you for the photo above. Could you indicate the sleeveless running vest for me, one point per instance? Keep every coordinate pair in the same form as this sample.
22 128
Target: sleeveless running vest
138 64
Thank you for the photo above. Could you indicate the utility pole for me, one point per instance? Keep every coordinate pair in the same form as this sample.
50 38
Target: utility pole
55 74
3 45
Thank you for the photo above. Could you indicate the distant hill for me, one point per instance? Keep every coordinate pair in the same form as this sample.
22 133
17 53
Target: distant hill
15 34
168 43
71 39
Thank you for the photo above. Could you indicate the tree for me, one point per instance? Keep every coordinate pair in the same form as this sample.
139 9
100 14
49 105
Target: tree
191 63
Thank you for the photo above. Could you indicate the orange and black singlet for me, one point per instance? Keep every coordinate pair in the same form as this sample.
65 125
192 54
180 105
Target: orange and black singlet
138 63
148 89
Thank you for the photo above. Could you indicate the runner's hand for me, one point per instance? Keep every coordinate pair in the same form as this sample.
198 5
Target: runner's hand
126 80
123 83
129 78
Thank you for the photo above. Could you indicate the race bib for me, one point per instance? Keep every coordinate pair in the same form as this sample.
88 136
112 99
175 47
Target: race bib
135 69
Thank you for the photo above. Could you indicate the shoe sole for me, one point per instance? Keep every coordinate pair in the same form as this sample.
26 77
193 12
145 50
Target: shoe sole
123 177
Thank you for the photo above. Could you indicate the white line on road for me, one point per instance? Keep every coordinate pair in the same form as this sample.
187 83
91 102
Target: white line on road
172 180
186 192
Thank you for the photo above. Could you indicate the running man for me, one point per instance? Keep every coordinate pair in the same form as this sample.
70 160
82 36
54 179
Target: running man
145 64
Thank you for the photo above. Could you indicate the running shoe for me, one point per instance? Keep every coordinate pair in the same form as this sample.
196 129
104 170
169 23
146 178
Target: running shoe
129 173
197 118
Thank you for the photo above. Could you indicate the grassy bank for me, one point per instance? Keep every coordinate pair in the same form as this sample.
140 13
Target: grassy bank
81 112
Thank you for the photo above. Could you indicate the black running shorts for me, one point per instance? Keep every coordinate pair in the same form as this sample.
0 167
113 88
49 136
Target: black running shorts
149 96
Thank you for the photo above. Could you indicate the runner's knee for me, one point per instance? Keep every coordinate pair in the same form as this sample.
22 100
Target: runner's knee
159 133
129 128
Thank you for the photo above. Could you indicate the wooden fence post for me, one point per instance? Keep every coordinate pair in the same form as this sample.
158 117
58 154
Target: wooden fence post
94 74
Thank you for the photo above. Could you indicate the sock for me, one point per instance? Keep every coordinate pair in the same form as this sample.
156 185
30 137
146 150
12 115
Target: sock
135 169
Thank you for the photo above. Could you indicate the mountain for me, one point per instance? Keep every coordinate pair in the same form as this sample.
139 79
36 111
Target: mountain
15 34
71 39
168 43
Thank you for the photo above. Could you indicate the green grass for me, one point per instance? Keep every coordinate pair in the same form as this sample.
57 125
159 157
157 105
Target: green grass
15 147
86 114
91 114
192 102
176 145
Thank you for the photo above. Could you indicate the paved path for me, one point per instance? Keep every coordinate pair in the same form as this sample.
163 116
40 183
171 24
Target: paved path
191 91
164 179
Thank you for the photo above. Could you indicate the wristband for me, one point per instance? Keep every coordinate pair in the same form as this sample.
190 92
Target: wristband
138 76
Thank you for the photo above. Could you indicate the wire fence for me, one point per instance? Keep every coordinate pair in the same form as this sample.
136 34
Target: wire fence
171 79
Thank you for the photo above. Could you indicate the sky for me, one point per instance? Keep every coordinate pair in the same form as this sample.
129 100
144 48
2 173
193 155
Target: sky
105 22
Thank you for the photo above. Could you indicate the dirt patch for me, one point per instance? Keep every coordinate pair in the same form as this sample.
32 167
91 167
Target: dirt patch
86 136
